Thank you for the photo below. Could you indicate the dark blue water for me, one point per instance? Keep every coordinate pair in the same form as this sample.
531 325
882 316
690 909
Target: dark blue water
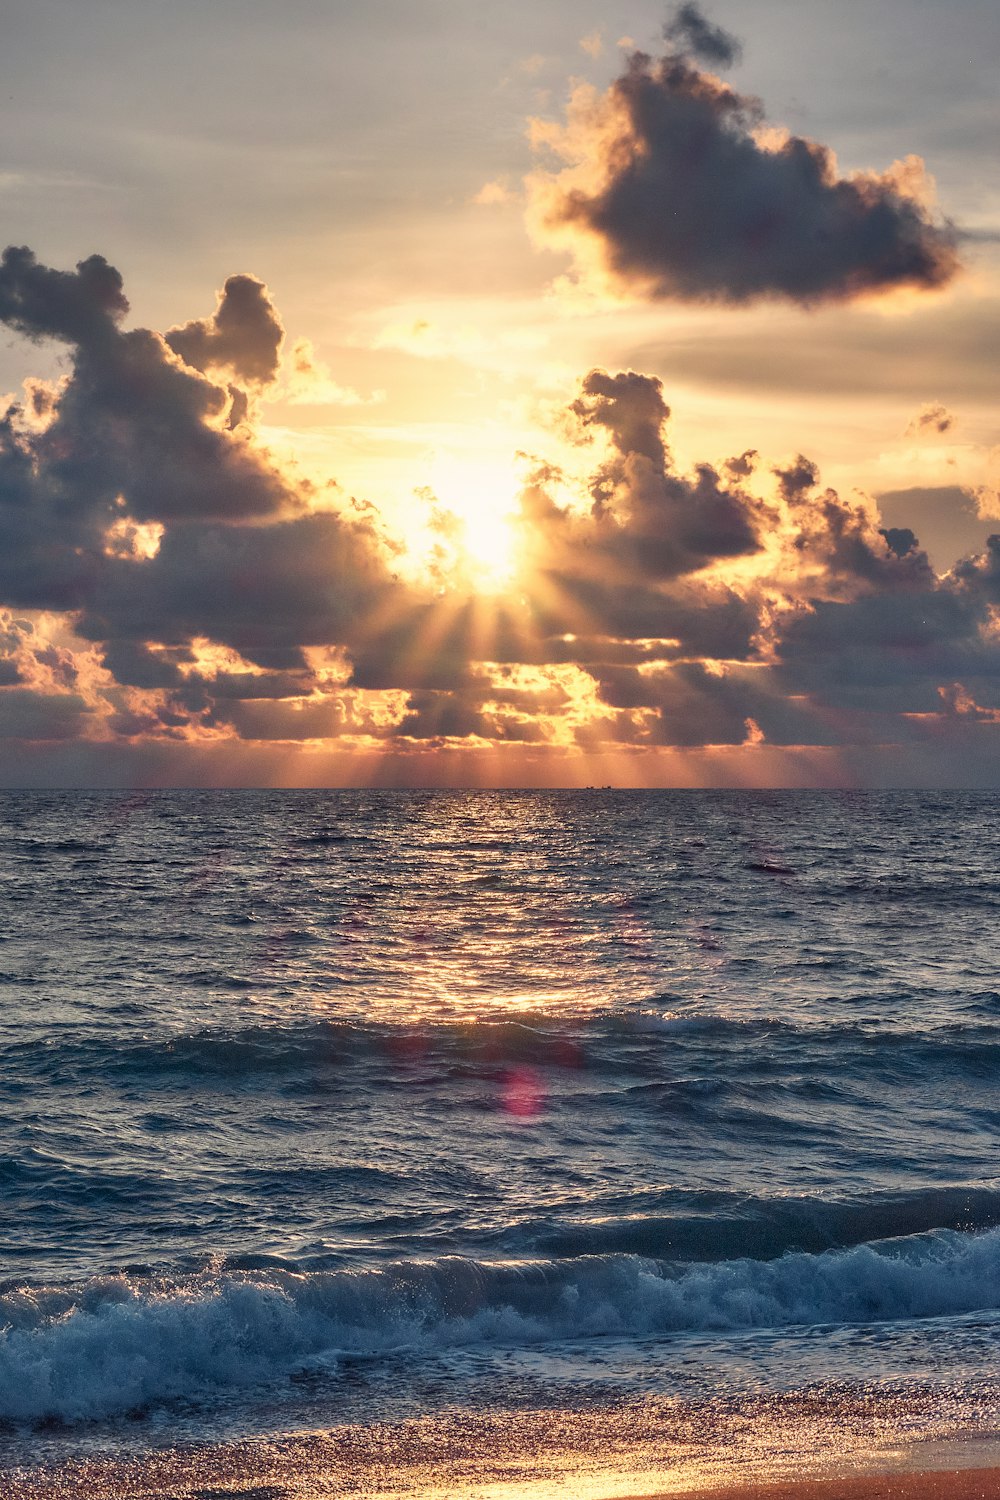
331 1106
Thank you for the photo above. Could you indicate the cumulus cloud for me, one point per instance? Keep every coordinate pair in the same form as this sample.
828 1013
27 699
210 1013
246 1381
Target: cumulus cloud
77 307
673 188
839 543
163 579
137 509
645 521
243 335
312 580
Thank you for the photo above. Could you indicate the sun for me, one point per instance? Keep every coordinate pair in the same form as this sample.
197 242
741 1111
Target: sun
481 493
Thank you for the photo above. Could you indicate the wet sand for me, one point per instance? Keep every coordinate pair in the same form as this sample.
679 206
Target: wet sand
176 1479
490 1455
946 1484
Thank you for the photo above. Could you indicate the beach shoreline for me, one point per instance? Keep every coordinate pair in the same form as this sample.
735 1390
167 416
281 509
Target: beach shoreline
319 1467
927 1484
931 1484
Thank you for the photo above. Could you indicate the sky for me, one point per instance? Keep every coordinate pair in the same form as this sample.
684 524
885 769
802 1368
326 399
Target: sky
421 393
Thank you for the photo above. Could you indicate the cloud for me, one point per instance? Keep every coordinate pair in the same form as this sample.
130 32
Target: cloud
494 193
438 715
945 518
138 509
163 579
255 719
838 544
645 521
243 335
674 189
308 382
693 34
312 580
132 438
27 714
932 418
687 705
77 307
136 443
476 711
884 655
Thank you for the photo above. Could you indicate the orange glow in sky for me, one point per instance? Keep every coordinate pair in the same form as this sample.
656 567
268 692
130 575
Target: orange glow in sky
586 414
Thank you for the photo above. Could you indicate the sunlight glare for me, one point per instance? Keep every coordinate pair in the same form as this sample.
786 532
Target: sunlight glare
481 492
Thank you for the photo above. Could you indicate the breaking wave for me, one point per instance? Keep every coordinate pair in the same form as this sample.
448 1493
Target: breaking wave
122 1344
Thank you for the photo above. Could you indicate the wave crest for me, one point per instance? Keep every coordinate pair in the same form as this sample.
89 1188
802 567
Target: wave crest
121 1344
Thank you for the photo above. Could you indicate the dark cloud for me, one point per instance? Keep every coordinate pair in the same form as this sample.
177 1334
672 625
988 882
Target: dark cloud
437 715
883 653
28 714
838 672
253 686
901 541
136 439
276 658
243 335
840 540
77 307
742 465
257 719
428 645
980 575
162 579
133 664
312 580
687 705
135 507
646 524
632 409
656 623
670 179
691 32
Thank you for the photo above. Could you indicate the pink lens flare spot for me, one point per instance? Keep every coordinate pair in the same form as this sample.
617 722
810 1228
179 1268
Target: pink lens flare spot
523 1093
407 1045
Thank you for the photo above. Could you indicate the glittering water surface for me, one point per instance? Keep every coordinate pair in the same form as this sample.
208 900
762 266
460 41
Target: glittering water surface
344 1107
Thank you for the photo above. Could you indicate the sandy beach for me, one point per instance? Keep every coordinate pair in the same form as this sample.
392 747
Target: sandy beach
321 1466
945 1484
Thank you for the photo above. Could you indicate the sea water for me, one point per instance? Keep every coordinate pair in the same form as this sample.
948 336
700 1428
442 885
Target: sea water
343 1110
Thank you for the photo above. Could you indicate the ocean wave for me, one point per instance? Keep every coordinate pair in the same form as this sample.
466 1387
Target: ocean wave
719 1226
126 1344
634 1042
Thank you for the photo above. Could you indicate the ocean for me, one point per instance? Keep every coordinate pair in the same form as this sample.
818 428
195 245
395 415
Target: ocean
476 1138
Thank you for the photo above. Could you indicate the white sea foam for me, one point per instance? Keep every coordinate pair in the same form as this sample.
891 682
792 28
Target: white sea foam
119 1344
